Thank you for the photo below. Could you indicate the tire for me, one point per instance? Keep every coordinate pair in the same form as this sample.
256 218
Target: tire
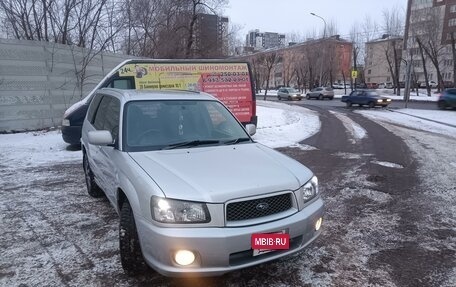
442 105
308 97
349 104
289 98
371 105
131 256
92 187
320 97
280 98
331 98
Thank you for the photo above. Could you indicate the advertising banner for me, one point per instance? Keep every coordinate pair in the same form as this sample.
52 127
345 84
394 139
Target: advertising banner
229 82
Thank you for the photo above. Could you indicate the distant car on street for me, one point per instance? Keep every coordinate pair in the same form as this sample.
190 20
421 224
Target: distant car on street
288 93
432 84
386 85
320 93
447 99
366 97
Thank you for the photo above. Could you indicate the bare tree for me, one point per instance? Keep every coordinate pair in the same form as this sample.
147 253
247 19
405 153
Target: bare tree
270 59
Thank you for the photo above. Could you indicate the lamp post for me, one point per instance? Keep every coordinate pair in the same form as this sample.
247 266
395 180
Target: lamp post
324 36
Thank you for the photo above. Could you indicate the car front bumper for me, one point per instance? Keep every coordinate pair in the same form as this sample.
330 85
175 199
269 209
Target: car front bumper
71 134
222 250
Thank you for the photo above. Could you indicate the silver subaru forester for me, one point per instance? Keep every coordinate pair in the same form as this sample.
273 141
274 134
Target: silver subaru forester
190 185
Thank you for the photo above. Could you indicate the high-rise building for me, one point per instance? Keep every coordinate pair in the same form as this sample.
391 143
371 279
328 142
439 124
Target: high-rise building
429 26
264 40
211 36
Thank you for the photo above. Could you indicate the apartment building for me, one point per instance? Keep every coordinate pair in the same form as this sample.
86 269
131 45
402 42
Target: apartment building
264 40
211 36
430 25
383 60
304 65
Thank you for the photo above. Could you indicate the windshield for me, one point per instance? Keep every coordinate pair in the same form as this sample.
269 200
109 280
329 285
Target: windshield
291 90
167 124
373 93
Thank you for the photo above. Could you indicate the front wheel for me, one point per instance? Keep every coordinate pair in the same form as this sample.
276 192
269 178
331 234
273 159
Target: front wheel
92 187
280 98
441 105
130 250
349 104
371 105
320 97
308 97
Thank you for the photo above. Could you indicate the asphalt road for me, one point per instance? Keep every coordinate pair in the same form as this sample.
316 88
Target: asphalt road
390 216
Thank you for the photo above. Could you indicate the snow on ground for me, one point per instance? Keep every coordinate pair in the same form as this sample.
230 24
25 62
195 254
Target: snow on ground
281 125
35 149
356 131
437 121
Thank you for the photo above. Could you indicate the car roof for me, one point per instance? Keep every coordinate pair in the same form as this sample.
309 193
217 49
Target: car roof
130 95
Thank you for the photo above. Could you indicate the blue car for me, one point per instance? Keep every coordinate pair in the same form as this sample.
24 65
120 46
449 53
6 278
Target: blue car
366 97
447 99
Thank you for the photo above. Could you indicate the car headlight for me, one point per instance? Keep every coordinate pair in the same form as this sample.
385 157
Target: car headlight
310 189
178 211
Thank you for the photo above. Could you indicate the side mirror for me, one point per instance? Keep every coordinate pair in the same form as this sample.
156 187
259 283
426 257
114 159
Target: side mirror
251 129
100 137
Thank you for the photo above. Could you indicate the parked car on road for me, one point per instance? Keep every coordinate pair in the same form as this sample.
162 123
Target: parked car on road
193 191
432 84
287 93
320 93
386 85
447 99
366 97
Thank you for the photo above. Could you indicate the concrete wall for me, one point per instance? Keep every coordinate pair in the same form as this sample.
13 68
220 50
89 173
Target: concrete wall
40 80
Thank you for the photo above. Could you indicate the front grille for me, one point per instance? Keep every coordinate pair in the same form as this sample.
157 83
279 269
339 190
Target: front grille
259 207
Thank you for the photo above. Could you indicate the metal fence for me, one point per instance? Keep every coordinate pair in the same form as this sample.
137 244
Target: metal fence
40 80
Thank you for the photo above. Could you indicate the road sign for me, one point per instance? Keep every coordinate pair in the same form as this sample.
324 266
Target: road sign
354 74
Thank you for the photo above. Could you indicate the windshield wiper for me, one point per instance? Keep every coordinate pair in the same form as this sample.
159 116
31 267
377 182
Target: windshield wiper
190 143
235 141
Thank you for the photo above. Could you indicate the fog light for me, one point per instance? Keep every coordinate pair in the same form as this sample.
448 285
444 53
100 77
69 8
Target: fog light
318 224
184 257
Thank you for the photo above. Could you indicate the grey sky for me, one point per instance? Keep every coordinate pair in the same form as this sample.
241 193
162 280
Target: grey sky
287 16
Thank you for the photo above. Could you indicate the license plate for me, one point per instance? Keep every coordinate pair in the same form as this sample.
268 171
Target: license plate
263 243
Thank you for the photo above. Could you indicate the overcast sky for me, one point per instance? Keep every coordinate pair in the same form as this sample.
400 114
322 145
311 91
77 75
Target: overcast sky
288 16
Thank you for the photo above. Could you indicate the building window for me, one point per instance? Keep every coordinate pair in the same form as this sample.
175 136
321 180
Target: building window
452 22
452 8
368 72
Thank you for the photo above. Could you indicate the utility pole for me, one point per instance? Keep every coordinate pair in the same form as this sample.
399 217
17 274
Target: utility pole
324 36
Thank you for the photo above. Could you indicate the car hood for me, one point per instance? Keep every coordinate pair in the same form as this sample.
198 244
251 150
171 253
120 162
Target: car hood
220 173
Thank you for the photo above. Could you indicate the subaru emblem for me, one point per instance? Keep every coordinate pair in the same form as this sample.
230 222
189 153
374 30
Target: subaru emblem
262 206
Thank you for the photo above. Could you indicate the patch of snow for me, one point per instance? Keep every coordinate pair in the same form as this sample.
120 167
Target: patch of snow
387 164
303 147
410 120
355 130
282 125
35 148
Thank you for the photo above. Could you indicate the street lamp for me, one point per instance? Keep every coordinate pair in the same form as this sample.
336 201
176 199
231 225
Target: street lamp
324 36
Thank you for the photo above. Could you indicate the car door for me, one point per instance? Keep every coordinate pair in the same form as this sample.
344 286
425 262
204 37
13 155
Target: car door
107 118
